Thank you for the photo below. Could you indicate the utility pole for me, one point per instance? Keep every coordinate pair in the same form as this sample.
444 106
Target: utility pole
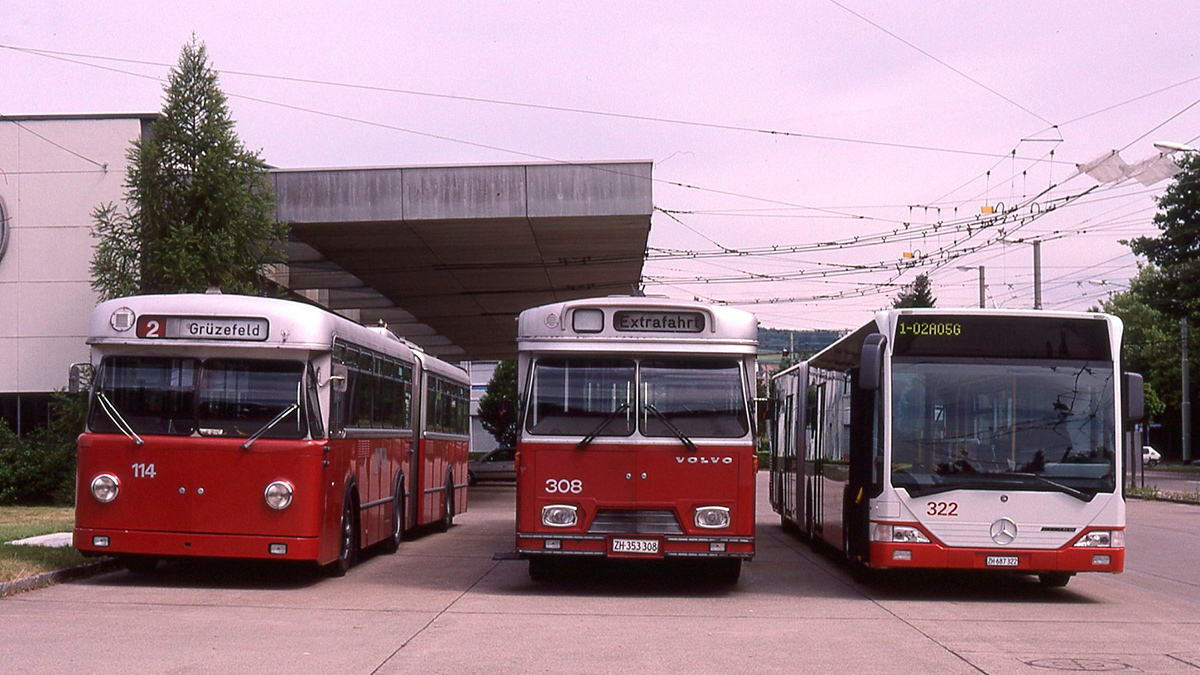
982 289
1037 274
1186 407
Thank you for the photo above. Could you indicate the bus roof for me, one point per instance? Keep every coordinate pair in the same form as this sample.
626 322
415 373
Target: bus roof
845 352
628 322
211 319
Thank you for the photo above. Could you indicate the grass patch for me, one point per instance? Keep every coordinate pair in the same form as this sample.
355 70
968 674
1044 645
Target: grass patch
1177 468
19 522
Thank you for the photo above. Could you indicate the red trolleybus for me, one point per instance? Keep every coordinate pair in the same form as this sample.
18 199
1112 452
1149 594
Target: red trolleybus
636 438
967 439
238 427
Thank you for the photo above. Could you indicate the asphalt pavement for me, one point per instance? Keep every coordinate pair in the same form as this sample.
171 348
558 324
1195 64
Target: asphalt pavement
442 605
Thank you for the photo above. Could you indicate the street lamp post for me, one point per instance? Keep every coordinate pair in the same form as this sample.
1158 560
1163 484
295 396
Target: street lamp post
982 285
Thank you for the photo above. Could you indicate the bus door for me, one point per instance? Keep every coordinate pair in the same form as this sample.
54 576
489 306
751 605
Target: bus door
859 487
814 454
416 449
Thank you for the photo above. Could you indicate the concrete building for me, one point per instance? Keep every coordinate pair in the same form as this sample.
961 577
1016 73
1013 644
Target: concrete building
446 256
54 170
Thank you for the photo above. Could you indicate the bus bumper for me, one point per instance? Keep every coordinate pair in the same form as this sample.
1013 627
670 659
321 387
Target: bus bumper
191 545
885 555
668 546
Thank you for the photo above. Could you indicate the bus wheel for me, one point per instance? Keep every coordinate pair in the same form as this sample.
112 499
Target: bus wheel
348 541
1054 579
543 568
140 564
727 571
448 514
392 543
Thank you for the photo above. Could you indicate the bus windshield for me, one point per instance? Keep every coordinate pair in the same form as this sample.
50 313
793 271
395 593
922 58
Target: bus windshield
582 396
1003 425
594 396
217 397
700 397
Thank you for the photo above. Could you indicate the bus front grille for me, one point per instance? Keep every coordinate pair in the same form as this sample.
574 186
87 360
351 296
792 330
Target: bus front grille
635 522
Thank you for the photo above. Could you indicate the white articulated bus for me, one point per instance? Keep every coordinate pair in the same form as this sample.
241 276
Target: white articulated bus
965 439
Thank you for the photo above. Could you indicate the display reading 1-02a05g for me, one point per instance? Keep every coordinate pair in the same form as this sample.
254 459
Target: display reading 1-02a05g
1017 337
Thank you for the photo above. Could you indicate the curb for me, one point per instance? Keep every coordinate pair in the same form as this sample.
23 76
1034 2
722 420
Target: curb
57 576
1173 497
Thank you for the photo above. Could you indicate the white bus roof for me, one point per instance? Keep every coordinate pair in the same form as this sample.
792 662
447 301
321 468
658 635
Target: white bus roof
846 350
289 324
626 323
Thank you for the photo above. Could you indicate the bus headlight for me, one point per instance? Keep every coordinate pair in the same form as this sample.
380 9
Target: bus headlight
712 517
897 534
278 495
105 487
560 515
1102 539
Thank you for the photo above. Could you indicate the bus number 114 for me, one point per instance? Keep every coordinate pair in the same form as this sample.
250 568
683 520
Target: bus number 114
143 470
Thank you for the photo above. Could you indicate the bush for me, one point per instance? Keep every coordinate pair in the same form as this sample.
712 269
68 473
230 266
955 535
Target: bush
39 469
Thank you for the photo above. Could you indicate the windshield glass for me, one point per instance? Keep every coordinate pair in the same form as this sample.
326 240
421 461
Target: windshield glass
237 398
154 395
1013 425
576 396
700 397
217 397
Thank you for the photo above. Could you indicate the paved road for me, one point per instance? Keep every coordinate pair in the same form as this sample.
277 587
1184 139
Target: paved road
443 605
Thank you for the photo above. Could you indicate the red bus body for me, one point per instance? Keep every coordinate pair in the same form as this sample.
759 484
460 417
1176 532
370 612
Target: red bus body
602 406
379 434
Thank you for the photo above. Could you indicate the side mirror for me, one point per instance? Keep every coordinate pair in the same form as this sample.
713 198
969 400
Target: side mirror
1135 397
80 378
337 377
870 371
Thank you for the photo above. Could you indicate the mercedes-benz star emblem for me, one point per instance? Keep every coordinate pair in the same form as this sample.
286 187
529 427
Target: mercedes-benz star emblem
1004 531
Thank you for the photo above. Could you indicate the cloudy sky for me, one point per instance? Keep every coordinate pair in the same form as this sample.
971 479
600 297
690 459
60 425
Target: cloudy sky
810 156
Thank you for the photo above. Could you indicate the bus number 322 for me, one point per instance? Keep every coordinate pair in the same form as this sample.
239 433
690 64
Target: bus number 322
564 486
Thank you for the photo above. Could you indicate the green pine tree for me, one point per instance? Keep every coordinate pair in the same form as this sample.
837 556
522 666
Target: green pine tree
199 209
917 294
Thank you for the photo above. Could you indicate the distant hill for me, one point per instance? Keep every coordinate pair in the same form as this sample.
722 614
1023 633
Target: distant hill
801 343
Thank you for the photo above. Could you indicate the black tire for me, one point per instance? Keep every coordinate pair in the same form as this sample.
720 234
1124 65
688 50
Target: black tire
726 571
347 540
1054 579
392 543
543 568
448 510
137 564
788 525
471 479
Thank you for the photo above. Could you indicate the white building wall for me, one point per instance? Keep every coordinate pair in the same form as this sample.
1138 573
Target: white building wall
54 171
481 374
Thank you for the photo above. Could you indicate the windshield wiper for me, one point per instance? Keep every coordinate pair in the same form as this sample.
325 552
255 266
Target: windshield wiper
117 419
687 442
267 427
587 440
1066 489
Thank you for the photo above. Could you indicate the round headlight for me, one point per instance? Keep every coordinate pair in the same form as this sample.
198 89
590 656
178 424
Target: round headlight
278 495
712 517
105 488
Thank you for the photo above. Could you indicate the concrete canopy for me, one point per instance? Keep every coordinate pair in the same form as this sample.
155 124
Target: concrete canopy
448 256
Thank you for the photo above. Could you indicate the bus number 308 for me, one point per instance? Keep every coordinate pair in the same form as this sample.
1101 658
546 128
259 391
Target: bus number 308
564 486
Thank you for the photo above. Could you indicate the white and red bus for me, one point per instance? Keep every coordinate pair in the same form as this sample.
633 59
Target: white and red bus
636 434
228 426
965 439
